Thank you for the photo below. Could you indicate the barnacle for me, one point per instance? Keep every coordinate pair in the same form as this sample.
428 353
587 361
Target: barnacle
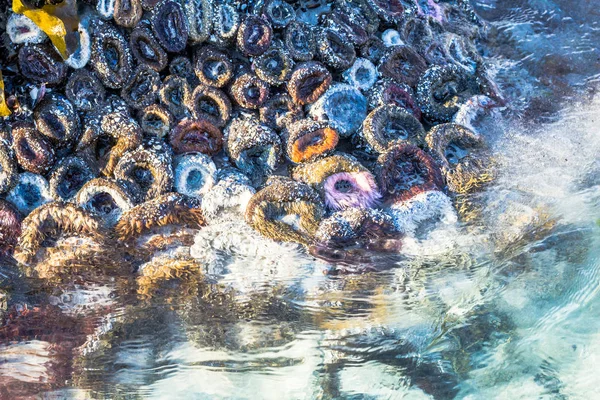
226 22
169 25
105 145
146 49
334 50
299 41
108 199
441 90
111 56
285 210
343 106
30 192
84 90
341 180
403 64
404 171
196 136
199 15
399 94
57 234
362 75
140 90
10 227
195 174
156 120
388 125
308 140
249 91
70 174
127 13
56 119
308 82
373 49
33 151
273 66
22 30
254 36
8 167
279 13
254 148
213 67
463 157
149 172
40 63
280 111
211 104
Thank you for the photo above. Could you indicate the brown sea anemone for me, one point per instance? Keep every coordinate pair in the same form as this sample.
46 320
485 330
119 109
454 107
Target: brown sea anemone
106 198
403 65
10 227
211 104
308 82
176 95
34 152
156 121
280 111
249 91
388 125
212 66
404 171
285 210
254 36
196 136
148 171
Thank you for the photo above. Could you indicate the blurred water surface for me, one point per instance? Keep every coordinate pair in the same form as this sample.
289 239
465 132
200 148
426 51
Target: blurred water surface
505 308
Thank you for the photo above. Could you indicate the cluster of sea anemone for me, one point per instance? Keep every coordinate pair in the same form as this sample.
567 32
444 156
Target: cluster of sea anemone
127 130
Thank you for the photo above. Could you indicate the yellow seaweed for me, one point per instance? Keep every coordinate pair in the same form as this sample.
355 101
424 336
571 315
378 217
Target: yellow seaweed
4 110
48 19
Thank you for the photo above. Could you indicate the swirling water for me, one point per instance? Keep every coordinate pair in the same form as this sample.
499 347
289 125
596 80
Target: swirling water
504 309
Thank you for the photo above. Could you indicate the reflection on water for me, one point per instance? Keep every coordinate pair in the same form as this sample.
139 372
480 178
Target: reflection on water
502 307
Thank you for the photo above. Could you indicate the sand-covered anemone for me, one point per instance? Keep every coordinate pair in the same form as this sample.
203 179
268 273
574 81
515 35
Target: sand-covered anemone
200 17
387 125
58 236
213 66
111 55
254 36
249 91
334 50
148 172
156 121
211 104
285 210
405 170
403 64
308 82
56 119
165 267
195 174
274 66
254 148
29 192
33 151
300 41
146 49
166 222
140 89
107 199
42 64
388 92
441 90
175 94
308 140
464 157
69 175
8 167
280 111
362 74
343 106
342 181
84 90
169 25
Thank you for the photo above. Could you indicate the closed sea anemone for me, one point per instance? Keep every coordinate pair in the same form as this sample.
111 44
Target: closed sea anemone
299 41
169 25
145 48
156 121
212 66
343 106
127 13
308 140
280 111
34 152
405 170
195 174
69 175
111 56
141 88
254 36
196 136
285 210
389 124
308 82
362 75
10 227
211 104
29 192
22 30
56 119
274 66
400 94
176 95
107 199
200 16
254 148
334 50
249 91
84 90
342 181
8 167
463 157
148 171
403 65
40 63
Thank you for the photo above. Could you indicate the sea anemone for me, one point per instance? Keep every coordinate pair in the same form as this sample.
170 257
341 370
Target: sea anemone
308 140
176 94
67 178
308 82
333 49
285 210
33 151
463 156
211 104
280 111
195 174
156 121
169 25
254 36
10 227
343 106
145 48
106 199
84 90
249 91
196 136
212 66
230 195
149 172
56 119
403 64
8 167
29 192
274 66
22 30
342 181
200 16
111 56
387 91
42 64
389 124
279 13
362 75
127 13
299 41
